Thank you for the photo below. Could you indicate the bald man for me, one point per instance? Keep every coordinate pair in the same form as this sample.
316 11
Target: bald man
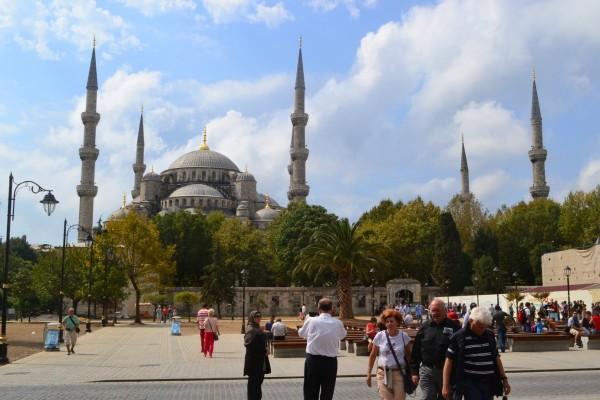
429 350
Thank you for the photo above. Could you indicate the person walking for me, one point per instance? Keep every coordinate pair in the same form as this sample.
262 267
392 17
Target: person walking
473 368
393 348
256 361
71 325
323 335
200 318
211 330
499 319
429 350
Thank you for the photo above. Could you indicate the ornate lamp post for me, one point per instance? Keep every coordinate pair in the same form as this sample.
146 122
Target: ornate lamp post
496 275
244 273
89 241
447 283
476 281
567 272
372 272
49 203
66 229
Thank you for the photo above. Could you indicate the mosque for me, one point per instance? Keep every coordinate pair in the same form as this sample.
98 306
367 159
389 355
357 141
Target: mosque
201 181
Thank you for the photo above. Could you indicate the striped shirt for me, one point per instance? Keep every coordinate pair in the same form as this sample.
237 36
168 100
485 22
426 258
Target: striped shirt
202 315
479 354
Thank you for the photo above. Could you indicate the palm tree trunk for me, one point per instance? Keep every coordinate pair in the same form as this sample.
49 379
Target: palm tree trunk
345 295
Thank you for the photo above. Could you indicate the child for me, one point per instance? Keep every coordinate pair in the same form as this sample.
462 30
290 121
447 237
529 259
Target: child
539 326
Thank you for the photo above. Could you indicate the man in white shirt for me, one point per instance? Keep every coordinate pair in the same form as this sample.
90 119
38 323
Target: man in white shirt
323 335
278 330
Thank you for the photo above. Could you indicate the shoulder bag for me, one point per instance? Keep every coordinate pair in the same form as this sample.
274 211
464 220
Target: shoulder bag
75 325
215 334
409 386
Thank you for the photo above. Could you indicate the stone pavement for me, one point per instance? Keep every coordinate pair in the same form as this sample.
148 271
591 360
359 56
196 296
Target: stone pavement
134 353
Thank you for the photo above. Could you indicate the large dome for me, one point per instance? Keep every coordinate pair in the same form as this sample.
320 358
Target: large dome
196 190
204 159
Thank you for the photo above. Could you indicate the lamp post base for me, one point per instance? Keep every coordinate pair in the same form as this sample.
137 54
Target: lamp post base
4 353
61 337
88 327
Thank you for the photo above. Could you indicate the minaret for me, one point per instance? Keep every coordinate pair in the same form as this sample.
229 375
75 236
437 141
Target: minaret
298 151
88 153
537 154
465 194
139 167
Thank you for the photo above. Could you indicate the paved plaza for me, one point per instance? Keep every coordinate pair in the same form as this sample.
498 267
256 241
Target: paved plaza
148 363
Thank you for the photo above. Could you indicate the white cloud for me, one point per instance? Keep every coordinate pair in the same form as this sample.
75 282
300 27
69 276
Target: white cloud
40 27
227 11
7 129
271 16
153 7
351 5
589 176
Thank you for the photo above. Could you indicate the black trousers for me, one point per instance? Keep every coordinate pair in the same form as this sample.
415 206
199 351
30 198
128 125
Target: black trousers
254 386
319 376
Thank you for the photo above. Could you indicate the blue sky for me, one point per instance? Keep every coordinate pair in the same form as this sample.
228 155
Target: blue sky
391 85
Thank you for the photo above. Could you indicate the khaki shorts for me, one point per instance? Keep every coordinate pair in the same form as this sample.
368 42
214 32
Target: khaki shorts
70 337
574 332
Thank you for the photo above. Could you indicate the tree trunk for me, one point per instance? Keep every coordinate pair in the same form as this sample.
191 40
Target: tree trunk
345 295
219 309
138 296
189 312
75 304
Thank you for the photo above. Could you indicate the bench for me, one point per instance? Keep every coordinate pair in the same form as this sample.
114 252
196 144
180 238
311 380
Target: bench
593 342
552 341
289 348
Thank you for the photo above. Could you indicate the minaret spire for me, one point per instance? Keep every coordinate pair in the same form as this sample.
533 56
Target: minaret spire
139 167
464 173
88 153
538 153
298 151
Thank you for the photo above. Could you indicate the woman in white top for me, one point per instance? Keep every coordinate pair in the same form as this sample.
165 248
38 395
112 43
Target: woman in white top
211 328
390 383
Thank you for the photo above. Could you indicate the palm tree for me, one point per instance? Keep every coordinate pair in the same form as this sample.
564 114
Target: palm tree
345 250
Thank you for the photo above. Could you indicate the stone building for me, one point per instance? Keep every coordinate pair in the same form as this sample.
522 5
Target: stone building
584 265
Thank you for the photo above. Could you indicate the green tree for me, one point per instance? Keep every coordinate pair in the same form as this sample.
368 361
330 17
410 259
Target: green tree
23 296
147 263
579 222
485 243
218 285
483 269
380 212
156 299
341 248
187 300
448 261
288 235
192 237
469 216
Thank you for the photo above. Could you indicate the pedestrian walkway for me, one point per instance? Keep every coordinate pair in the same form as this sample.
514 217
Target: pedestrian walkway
150 353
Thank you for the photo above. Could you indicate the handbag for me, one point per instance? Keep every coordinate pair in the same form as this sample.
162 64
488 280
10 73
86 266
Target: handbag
74 324
409 386
215 334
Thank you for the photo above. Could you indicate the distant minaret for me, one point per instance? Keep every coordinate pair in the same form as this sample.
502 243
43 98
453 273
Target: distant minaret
465 194
88 153
537 154
298 151
139 167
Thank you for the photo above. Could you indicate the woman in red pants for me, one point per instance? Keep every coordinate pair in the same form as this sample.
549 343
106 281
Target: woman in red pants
211 329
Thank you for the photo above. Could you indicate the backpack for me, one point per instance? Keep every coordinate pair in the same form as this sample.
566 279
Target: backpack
521 316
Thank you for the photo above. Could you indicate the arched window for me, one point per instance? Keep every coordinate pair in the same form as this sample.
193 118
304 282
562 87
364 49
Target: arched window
194 175
184 202
176 202
214 176
183 176
192 201
203 175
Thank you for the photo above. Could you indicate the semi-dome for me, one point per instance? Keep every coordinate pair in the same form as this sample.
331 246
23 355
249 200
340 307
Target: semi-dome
245 176
151 176
266 214
196 190
118 214
204 159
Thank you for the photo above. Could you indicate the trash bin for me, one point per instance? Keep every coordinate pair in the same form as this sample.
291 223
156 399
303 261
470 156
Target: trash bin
51 336
176 326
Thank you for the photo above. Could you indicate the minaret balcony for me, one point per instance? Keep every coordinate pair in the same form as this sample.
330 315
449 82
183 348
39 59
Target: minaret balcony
299 154
299 119
139 168
298 190
87 190
538 154
539 191
88 153
92 117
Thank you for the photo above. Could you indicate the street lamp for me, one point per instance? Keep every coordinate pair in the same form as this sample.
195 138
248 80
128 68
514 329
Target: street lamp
66 229
476 281
567 272
49 202
244 273
89 241
232 288
515 276
372 272
497 274
447 283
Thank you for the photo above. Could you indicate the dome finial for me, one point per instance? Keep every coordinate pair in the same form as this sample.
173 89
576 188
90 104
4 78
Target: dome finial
124 200
267 201
204 146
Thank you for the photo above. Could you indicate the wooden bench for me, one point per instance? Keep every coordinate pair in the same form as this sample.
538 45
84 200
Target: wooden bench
551 341
593 342
289 348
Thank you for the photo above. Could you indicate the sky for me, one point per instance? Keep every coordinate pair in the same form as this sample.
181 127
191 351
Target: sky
391 85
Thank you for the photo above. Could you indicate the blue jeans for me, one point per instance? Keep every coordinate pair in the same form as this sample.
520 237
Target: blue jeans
502 339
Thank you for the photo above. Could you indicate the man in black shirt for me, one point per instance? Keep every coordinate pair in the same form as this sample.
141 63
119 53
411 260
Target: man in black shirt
499 318
429 351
